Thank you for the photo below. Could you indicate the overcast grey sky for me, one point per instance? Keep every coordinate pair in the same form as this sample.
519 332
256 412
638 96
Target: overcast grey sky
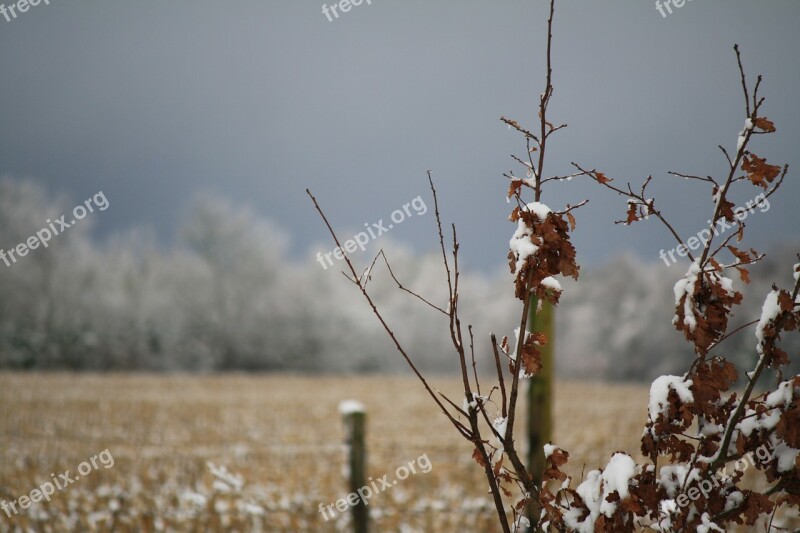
152 101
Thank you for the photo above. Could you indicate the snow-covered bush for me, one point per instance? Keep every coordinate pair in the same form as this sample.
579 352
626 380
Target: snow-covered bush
697 424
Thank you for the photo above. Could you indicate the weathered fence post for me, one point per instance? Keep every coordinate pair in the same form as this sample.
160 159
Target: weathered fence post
354 416
540 397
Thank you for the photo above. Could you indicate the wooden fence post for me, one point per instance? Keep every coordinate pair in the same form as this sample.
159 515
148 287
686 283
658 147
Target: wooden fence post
540 397
354 416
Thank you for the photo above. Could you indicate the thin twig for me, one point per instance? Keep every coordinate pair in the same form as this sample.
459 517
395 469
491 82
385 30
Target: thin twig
642 200
502 381
708 179
460 427
412 293
734 332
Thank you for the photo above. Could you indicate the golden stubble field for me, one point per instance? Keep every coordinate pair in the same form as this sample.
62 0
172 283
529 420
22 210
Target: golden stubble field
280 434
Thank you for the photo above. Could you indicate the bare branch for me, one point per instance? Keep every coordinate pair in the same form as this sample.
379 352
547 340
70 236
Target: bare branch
744 80
386 327
753 378
708 179
500 375
402 288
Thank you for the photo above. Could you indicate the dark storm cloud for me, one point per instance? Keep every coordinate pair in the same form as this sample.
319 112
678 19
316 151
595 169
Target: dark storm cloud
151 101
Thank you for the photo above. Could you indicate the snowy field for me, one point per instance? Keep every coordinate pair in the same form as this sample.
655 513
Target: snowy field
275 446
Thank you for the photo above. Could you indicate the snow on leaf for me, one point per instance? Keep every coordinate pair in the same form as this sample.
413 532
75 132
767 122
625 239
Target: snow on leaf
769 312
659 394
